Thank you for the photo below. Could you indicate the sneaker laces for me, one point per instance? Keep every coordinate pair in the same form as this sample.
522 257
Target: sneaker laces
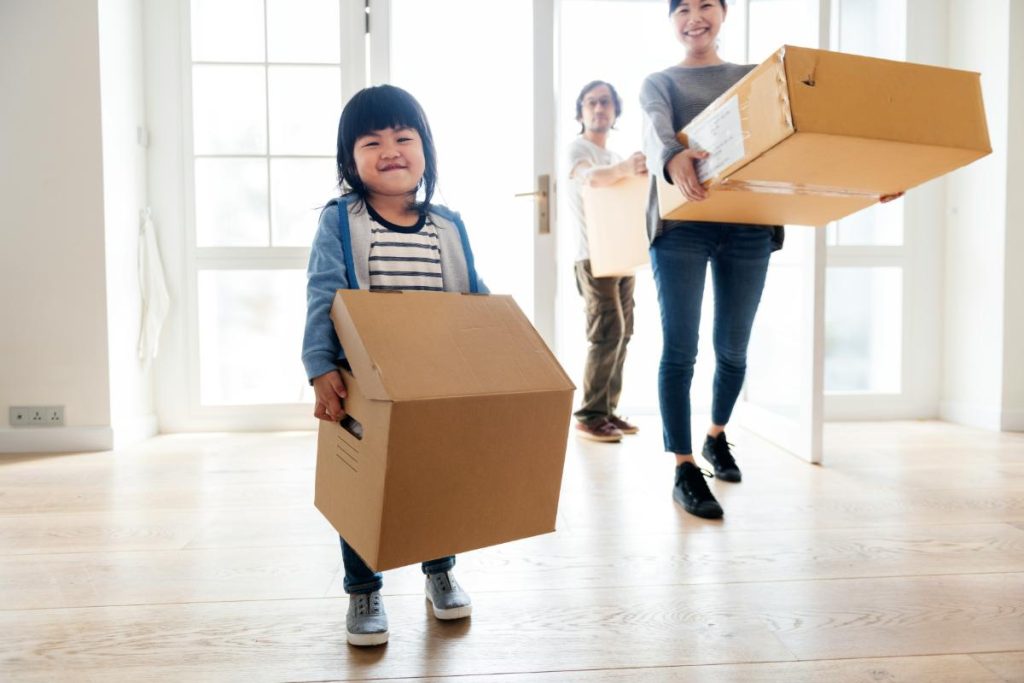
443 581
696 484
367 604
723 455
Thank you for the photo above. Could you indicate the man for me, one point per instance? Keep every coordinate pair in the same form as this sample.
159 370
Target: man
609 300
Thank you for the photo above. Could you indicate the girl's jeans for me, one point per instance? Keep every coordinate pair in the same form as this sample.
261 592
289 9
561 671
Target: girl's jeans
739 264
361 579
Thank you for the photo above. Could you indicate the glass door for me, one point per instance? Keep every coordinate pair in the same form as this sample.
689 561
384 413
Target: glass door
783 400
475 71
621 42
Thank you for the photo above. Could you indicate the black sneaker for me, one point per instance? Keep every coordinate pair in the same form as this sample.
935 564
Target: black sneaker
692 492
716 451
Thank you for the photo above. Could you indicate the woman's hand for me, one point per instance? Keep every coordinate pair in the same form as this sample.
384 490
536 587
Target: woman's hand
330 390
682 170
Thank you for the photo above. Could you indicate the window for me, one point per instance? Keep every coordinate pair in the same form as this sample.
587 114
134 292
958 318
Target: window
867 252
266 91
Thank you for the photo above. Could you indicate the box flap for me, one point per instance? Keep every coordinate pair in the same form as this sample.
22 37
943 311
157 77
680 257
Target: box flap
418 345
864 97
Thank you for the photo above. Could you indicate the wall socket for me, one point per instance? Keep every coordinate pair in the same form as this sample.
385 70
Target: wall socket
36 416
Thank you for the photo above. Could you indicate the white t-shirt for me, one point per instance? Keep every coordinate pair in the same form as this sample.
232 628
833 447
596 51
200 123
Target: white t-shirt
582 149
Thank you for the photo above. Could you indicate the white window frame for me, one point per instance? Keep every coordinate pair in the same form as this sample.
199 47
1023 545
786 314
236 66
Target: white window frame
918 258
173 196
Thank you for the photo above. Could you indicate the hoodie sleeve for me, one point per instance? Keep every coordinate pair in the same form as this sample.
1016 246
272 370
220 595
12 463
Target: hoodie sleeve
325 274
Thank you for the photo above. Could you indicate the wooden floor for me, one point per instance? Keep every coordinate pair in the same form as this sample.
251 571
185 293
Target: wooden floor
201 558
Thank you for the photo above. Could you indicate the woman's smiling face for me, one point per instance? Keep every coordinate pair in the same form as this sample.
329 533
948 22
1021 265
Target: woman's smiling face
697 23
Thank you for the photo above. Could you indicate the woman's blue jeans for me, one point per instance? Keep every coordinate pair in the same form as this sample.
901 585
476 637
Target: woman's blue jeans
361 579
738 255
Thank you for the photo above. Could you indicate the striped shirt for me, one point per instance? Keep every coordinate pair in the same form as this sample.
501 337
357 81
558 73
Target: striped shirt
404 257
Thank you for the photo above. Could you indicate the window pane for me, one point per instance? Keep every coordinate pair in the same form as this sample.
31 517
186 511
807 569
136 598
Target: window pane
227 30
305 103
298 189
231 202
874 28
229 109
863 329
250 337
774 23
303 31
878 225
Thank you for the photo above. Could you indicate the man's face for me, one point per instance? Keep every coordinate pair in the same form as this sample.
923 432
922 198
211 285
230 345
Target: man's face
598 111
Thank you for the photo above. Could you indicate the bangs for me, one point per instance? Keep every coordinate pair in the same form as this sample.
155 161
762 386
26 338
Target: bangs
382 108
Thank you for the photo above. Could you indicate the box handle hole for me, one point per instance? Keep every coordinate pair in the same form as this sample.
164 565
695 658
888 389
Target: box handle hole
352 426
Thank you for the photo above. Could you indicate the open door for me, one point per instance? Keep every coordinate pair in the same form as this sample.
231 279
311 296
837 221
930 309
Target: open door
783 399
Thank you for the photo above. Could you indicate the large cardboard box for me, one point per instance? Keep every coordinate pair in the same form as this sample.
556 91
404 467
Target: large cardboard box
459 417
810 136
617 226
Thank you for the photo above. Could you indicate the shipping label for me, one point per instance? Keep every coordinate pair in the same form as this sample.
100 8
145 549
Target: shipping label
720 134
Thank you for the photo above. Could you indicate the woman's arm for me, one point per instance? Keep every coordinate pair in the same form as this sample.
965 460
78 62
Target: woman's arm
665 154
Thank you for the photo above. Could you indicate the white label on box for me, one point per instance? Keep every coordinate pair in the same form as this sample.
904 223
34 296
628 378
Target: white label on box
721 134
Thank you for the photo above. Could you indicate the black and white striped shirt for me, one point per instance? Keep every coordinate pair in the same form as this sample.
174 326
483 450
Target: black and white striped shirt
404 257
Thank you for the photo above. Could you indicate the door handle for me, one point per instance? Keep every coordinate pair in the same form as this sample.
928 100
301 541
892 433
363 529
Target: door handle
542 196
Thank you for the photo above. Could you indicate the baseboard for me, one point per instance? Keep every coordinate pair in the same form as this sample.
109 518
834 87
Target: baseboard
1013 420
56 439
972 415
134 430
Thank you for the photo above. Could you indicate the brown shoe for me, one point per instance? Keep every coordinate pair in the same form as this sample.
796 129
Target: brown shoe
622 425
598 429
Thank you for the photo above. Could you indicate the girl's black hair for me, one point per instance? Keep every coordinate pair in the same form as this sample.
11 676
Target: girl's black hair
583 93
376 108
672 4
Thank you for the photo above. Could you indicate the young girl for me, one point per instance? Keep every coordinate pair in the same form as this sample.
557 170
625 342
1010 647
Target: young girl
681 251
378 236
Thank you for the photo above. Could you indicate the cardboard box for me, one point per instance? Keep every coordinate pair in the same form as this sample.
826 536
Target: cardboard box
461 422
810 136
617 226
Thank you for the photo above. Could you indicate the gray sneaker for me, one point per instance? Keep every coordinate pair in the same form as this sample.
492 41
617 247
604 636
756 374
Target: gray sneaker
447 597
366 622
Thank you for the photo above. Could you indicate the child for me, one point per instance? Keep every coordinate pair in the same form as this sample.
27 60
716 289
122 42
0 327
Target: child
377 236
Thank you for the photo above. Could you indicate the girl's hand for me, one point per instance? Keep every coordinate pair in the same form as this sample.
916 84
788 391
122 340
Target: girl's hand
886 198
330 390
682 170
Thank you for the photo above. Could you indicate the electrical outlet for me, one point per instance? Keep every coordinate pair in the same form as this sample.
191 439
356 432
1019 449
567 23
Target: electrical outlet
36 416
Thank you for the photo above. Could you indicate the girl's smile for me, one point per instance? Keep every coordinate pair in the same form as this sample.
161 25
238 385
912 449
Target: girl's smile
390 162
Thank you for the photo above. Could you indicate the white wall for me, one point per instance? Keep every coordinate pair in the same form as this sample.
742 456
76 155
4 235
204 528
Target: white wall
1013 349
125 196
976 229
53 344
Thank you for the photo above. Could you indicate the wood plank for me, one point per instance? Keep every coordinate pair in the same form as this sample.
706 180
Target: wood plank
937 669
527 632
304 640
1007 666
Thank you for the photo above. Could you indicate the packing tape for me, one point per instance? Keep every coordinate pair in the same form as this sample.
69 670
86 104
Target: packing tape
772 187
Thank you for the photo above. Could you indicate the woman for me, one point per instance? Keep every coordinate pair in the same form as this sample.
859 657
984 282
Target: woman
682 250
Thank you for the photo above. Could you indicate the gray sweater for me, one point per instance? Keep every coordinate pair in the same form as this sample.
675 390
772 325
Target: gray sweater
671 99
